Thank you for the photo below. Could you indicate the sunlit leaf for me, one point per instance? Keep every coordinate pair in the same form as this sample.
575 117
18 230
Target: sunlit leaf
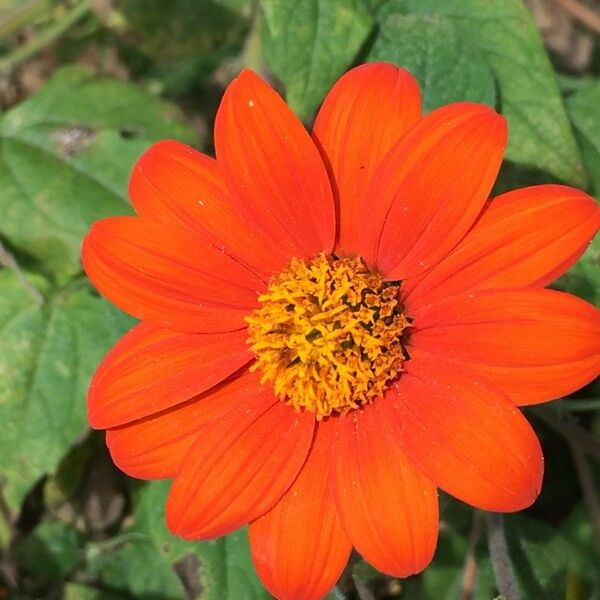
503 33
433 49
48 351
309 44
65 158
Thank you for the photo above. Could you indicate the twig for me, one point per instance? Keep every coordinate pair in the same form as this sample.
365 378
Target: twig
17 19
467 586
501 563
362 589
574 433
579 404
588 487
585 15
336 594
8 260
45 38
251 54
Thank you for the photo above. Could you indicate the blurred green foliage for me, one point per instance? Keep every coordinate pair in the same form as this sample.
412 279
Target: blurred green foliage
85 88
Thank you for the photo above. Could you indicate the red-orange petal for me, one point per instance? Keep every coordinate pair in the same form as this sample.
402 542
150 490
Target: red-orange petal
154 447
151 369
536 345
527 237
299 547
388 509
429 189
168 276
275 173
239 467
174 184
465 435
363 115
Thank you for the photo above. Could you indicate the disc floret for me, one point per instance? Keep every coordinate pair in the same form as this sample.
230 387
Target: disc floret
328 334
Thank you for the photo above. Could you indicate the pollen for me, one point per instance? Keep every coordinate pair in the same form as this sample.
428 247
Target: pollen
329 334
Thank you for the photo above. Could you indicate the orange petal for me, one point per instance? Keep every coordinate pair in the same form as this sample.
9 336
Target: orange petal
388 509
429 189
239 467
365 112
177 185
151 369
299 548
536 345
528 237
464 435
168 276
154 447
274 171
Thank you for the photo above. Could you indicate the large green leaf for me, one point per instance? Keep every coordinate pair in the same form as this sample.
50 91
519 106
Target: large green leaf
65 158
585 114
309 44
434 51
504 34
226 568
48 351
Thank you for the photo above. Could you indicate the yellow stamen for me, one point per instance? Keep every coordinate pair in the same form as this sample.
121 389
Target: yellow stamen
328 334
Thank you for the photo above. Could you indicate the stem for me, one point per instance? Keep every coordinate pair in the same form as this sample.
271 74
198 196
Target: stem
21 17
588 487
585 15
45 38
579 405
467 586
362 589
501 563
251 55
8 260
336 594
575 434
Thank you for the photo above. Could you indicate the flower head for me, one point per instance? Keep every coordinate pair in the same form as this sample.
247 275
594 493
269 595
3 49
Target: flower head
335 326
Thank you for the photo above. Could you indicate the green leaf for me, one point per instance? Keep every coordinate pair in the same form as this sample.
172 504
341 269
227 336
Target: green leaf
65 158
432 48
51 550
78 591
540 556
226 568
584 559
309 44
583 110
137 568
504 34
48 351
174 30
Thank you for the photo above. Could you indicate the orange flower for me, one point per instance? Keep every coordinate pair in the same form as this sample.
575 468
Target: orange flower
333 327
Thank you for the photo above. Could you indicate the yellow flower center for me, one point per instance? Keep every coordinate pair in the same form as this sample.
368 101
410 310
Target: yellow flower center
328 334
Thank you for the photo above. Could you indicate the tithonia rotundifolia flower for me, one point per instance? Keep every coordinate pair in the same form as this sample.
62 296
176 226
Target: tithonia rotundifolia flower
336 324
